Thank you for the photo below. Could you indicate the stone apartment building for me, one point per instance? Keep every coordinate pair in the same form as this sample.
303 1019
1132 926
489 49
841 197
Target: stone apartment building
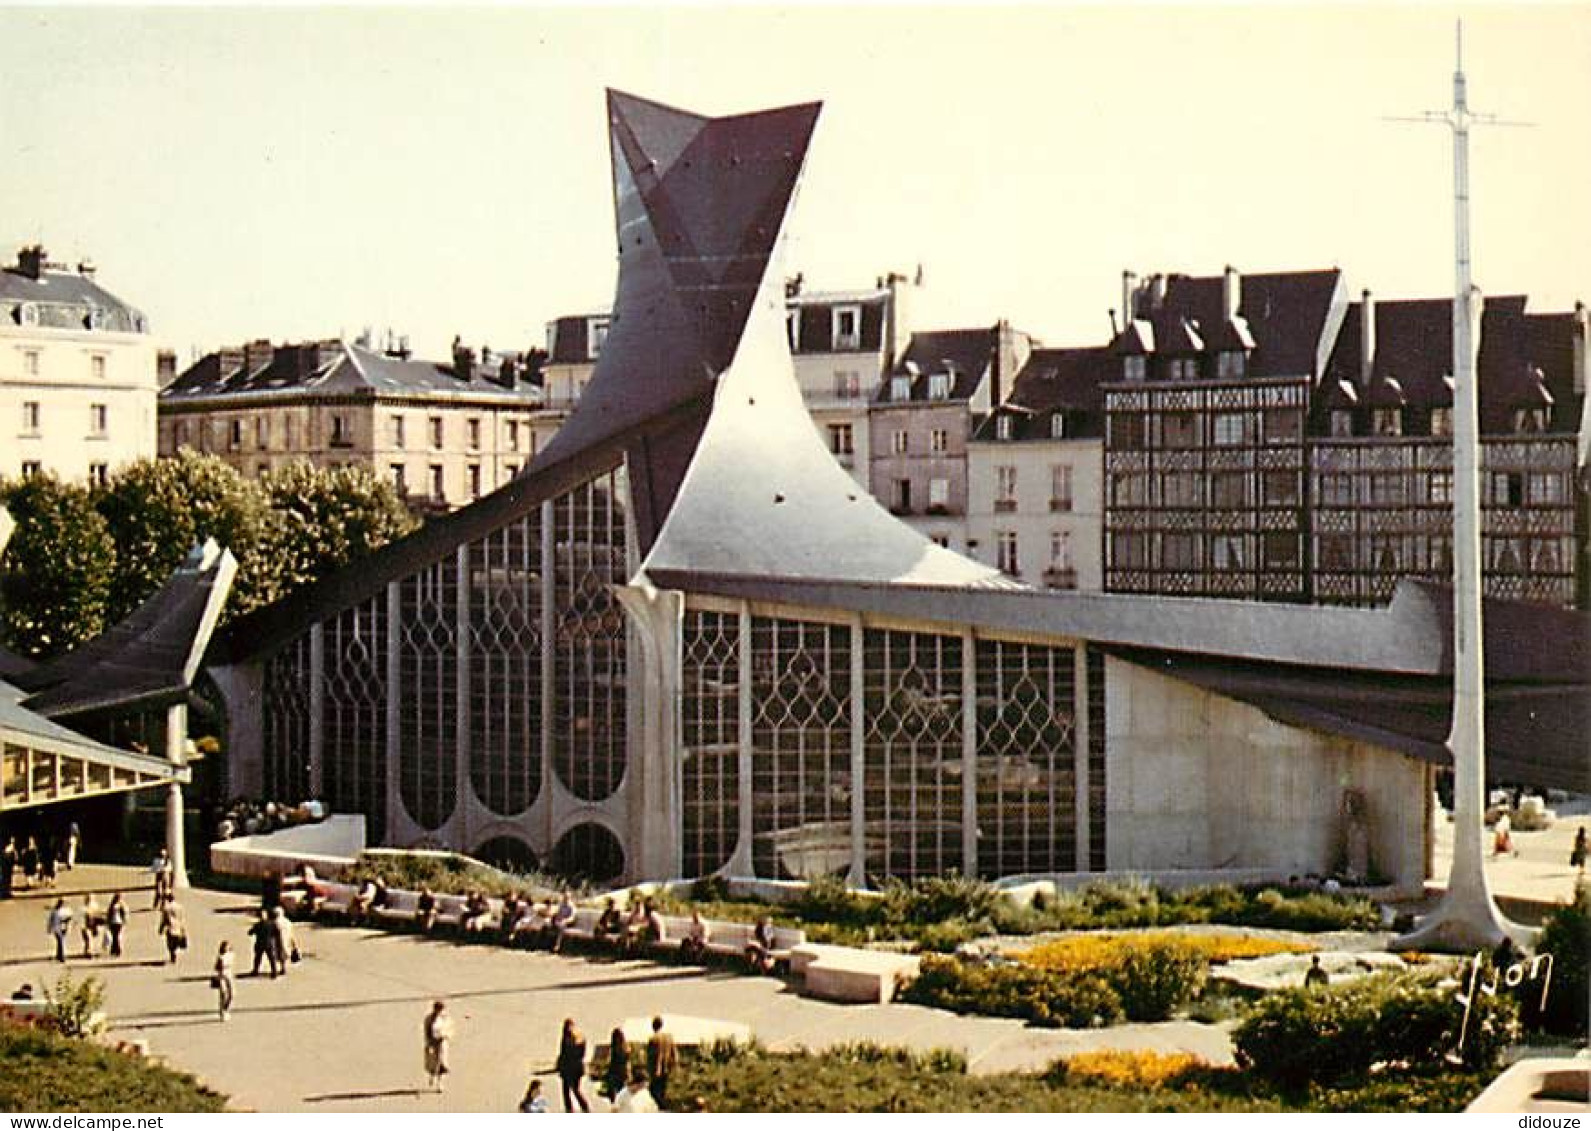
1034 469
78 373
923 415
444 435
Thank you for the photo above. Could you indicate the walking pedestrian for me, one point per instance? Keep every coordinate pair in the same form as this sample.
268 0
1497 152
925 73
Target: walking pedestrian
174 925
222 980
116 922
438 1033
47 858
59 924
74 840
617 1073
161 869
93 920
572 1065
1577 853
263 932
9 859
30 860
662 1058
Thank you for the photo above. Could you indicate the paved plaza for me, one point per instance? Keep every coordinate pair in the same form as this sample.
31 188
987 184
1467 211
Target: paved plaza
341 1032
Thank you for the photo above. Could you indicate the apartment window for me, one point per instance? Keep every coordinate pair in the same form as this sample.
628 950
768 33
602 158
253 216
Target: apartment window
1342 423
1230 363
472 431
1179 430
1336 551
1283 425
98 419
436 431
1281 551
1439 554
235 434
1060 550
1127 431
513 435
30 416
1005 551
96 366
399 482
1135 368
99 474
262 432
436 482
902 496
1002 427
1179 551
900 442
398 438
1547 488
939 387
847 326
1005 486
1229 489
1061 487
1129 489
596 336
1227 552
31 468
1507 489
1281 488
1336 490
1388 488
1129 551
792 328
475 480
30 363
842 440
1386 421
938 441
1441 487
938 493
1058 426
1181 489
1442 421
341 434
1231 429
847 384
900 388
1544 557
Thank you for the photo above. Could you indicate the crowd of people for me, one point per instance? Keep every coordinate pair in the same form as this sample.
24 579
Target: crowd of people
31 862
246 817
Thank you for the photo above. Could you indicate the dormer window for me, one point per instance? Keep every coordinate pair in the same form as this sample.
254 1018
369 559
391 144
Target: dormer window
1342 423
1002 427
847 327
900 388
596 336
1442 421
792 328
1532 419
1184 369
1230 363
939 386
1058 426
1135 367
1386 421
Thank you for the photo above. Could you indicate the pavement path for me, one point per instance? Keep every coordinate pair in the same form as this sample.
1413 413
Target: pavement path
341 1032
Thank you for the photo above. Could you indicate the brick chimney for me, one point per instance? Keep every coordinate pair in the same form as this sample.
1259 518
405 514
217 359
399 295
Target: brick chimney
1129 298
1582 348
258 354
1231 293
463 361
165 367
1367 339
31 260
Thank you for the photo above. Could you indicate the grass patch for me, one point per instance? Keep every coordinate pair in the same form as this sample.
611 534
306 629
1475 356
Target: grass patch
48 1072
868 1078
449 874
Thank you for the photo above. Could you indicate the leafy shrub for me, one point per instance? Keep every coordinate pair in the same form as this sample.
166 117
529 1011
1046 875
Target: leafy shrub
1155 980
1042 997
1328 1036
76 1008
1566 935
710 889
450 874
48 1072
828 899
935 899
944 938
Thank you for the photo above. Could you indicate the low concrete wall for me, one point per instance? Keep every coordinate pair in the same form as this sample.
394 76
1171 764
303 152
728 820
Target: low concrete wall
331 847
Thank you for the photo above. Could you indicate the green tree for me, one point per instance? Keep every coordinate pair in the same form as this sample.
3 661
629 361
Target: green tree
57 573
328 518
159 509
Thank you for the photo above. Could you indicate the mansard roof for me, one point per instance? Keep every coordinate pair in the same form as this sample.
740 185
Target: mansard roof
1054 381
965 355
64 300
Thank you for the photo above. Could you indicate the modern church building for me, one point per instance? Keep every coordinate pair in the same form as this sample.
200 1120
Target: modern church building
684 641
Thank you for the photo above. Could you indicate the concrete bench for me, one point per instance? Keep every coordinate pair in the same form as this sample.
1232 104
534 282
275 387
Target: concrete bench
850 974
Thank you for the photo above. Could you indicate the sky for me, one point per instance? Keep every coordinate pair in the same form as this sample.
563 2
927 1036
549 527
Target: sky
241 173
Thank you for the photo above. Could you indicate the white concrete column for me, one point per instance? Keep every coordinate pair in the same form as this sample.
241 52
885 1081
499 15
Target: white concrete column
858 871
176 755
655 787
743 862
317 710
1080 738
969 753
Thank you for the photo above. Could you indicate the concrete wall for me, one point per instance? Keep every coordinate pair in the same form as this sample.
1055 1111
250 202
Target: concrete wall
1196 780
330 847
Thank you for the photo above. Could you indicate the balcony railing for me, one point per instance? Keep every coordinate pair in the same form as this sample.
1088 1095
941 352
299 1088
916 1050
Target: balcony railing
1004 506
1061 504
1056 577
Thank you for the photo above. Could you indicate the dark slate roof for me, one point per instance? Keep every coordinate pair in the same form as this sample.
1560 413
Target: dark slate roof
1414 348
147 659
334 369
966 354
65 300
817 320
1056 380
1377 675
569 342
1286 313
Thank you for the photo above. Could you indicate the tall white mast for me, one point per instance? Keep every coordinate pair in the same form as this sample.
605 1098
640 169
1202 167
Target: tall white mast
1467 917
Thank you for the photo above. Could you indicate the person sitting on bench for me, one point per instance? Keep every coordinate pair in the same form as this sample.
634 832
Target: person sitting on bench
759 951
425 909
610 924
693 947
560 923
477 913
634 926
364 899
